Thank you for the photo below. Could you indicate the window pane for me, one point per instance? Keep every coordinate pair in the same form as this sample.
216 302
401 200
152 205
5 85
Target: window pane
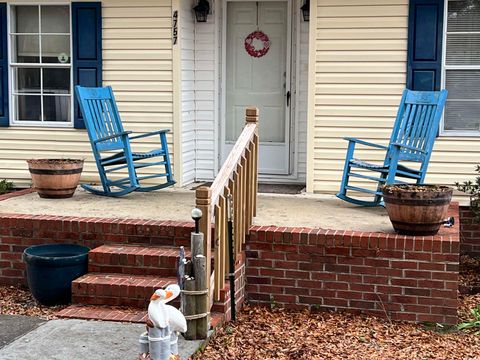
55 19
56 49
26 49
26 19
463 84
56 108
464 15
56 81
27 80
28 108
463 49
462 115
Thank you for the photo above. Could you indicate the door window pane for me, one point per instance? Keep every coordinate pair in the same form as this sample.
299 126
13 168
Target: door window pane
25 19
28 108
55 19
56 108
27 80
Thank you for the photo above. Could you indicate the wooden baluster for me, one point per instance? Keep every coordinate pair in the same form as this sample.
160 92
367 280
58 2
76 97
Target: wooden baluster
255 174
218 251
251 116
224 243
248 189
236 207
241 205
203 202
230 188
252 180
246 224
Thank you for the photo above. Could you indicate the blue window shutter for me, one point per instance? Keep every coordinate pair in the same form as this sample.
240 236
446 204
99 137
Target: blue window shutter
425 37
4 94
87 49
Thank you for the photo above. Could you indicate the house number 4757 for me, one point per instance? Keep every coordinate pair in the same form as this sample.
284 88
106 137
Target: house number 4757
175 27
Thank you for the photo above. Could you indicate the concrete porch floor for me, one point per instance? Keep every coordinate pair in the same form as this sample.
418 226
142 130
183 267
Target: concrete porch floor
318 211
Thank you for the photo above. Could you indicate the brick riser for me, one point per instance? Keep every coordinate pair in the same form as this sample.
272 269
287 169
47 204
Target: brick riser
116 289
121 275
135 260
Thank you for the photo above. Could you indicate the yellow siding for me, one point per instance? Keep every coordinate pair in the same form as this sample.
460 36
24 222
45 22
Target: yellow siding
360 72
137 63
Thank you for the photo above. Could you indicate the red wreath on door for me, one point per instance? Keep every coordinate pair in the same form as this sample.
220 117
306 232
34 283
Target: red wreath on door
257 35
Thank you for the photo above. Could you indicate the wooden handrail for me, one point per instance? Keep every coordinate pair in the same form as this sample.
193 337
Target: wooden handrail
233 159
237 180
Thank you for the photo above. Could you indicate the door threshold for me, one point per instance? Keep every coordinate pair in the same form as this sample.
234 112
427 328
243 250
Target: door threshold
265 187
289 189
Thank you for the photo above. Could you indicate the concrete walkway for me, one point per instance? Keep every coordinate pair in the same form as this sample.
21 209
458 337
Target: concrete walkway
79 339
14 326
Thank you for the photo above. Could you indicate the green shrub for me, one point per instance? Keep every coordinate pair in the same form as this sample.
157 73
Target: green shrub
473 189
5 186
474 323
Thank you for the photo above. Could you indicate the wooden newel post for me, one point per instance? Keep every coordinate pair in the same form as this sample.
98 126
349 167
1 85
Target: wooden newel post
251 115
203 202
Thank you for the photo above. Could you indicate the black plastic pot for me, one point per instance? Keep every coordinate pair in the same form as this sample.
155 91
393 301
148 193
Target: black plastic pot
51 270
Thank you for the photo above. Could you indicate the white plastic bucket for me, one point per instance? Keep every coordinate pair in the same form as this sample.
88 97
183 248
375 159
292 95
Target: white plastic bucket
159 340
143 342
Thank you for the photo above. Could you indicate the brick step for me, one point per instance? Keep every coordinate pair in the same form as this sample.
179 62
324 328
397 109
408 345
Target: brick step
105 313
118 289
135 260
119 314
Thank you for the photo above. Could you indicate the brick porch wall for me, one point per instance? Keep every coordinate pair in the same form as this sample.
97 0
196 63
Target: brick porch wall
402 277
469 232
17 232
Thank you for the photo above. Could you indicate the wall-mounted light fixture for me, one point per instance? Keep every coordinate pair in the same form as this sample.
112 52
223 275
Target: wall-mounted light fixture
306 10
202 9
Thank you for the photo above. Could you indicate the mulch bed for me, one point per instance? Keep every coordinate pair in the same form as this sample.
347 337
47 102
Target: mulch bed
262 333
19 301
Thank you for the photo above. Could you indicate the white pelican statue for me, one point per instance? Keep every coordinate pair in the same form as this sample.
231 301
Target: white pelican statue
163 325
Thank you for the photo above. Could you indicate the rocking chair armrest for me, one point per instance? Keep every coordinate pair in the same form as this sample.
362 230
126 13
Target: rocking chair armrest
110 137
158 132
363 142
408 147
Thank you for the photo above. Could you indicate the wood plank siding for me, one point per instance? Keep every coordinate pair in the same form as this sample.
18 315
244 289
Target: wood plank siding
137 63
360 71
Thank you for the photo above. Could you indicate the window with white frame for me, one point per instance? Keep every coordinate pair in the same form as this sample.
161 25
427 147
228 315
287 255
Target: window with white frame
40 65
462 67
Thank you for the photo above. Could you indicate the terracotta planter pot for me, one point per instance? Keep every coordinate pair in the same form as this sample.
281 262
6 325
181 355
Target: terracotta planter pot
55 178
417 209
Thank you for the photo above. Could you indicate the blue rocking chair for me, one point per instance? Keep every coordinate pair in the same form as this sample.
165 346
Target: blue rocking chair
412 140
107 135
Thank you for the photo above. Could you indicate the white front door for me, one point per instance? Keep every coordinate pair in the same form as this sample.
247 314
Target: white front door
263 82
